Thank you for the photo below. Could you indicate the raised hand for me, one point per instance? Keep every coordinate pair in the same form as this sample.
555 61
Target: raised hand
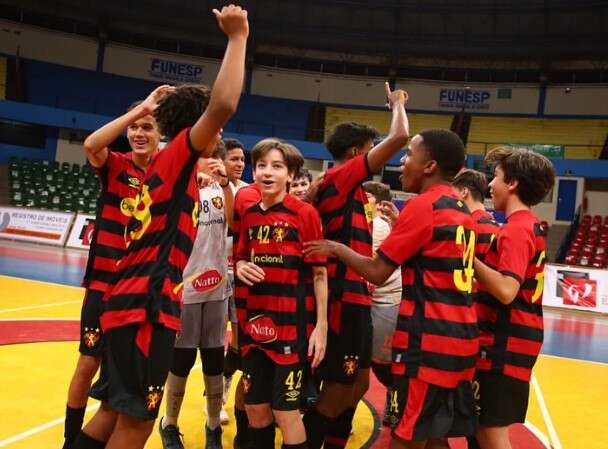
232 20
151 102
389 211
394 97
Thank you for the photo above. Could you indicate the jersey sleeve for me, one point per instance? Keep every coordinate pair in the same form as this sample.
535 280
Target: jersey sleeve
109 169
413 230
241 241
350 174
311 229
515 247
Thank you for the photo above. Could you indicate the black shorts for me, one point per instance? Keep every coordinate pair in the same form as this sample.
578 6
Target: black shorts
266 382
351 349
131 382
90 329
419 410
501 400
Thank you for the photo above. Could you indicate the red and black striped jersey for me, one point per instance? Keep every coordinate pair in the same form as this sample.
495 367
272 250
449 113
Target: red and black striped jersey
347 218
274 315
486 229
511 335
436 338
159 239
120 180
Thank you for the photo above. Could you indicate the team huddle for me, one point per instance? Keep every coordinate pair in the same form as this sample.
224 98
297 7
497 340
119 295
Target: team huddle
321 280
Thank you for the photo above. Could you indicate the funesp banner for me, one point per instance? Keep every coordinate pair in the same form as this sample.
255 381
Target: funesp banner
32 225
81 234
577 288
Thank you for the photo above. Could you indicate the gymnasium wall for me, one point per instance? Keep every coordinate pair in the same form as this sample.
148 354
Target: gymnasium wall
48 46
583 100
597 203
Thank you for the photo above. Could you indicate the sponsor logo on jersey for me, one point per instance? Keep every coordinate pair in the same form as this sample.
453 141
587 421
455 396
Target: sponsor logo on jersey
262 329
207 281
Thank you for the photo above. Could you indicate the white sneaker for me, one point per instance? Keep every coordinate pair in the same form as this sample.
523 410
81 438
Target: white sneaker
224 418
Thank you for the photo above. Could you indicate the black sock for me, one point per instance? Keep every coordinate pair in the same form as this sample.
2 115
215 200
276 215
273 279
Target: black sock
472 443
316 427
262 438
73 423
295 446
242 424
339 430
83 441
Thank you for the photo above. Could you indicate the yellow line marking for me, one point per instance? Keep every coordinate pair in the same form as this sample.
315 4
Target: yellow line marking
555 443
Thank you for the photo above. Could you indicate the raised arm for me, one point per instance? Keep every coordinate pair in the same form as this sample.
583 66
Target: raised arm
398 135
226 92
96 145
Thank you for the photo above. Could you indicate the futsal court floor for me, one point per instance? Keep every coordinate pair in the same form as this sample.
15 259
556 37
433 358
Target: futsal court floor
40 302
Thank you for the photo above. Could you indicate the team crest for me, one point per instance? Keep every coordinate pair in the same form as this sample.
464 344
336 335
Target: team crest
217 202
153 398
280 231
246 383
350 365
91 337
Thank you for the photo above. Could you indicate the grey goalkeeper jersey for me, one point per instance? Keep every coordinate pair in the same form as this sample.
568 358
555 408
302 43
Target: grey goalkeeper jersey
206 273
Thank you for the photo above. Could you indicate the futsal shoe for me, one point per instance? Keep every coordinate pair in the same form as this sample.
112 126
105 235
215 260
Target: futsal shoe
170 436
213 438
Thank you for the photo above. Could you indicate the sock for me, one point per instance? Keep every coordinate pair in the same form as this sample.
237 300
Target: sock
472 443
214 388
316 426
295 446
83 441
262 438
242 426
73 423
174 395
227 383
339 430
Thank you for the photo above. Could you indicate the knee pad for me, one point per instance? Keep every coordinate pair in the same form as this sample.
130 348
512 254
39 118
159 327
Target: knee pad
213 361
183 361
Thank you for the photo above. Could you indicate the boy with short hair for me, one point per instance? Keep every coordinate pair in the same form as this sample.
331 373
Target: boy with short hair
472 187
120 175
510 302
300 184
436 340
275 337
346 217
142 309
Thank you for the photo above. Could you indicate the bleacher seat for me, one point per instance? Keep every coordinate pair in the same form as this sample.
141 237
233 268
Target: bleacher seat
49 185
589 246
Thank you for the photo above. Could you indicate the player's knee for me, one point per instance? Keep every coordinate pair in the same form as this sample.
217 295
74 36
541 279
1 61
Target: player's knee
213 361
259 415
183 361
87 366
287 419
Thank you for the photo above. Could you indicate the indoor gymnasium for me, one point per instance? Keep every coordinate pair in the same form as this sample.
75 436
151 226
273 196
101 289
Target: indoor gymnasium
304 224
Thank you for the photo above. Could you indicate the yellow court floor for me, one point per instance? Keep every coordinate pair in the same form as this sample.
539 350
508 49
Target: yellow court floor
568 407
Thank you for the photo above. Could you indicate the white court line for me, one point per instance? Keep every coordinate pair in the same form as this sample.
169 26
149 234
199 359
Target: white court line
538 434
555 443
38 429
40 306
575 360
48 425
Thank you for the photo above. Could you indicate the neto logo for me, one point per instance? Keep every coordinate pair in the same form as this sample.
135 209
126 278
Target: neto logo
262 329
